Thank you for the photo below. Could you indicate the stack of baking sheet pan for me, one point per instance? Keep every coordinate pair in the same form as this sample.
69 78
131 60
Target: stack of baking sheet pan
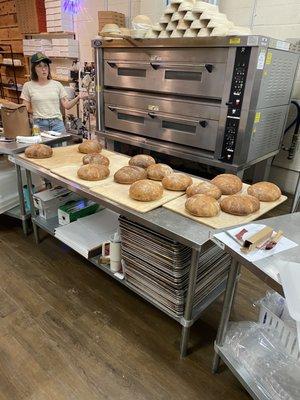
158 267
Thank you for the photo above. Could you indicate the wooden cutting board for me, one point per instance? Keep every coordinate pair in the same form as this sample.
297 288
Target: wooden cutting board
70 172
120 194
69 155
223 220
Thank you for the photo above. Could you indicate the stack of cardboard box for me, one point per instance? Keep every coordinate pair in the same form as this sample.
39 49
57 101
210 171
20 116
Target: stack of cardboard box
52 47
58 20
110 17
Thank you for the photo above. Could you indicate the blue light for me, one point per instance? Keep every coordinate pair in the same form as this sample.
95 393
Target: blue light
71 6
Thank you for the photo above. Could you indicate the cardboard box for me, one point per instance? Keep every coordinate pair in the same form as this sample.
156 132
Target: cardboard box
55 3
8 20
7 7
110 17
65 42
48 201
76 209
16 44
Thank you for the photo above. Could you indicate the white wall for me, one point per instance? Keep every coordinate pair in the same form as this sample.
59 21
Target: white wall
86 22
153 8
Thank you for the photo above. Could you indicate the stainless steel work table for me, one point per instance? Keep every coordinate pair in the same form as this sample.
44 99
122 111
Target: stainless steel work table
179 228
264 270
13 148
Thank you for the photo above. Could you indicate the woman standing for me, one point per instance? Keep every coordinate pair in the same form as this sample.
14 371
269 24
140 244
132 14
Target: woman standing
44 96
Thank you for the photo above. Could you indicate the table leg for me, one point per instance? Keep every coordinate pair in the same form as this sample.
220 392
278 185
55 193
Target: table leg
186 320
227 305
32 209
21 200
296 195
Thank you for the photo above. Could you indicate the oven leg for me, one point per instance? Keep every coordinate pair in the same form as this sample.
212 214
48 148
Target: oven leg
23 214
240 173
32 208
262 170
227 305
110 145
296 195
187 319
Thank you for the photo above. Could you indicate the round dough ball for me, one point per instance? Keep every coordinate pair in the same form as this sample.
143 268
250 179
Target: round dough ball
265 191
204 188
95 158
177 181
129 174
240 204
202 205
157 172
38 151
146 190
90 147
142 160
228 183
93 172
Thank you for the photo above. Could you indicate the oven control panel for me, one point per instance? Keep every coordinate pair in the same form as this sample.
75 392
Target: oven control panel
235 102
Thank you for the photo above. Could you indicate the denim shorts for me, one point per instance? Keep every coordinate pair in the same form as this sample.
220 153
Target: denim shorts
51 124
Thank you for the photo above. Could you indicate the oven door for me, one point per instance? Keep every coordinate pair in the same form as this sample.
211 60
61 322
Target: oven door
197 131
204 78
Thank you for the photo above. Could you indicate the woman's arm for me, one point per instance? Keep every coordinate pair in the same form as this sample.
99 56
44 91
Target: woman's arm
28 106
68 104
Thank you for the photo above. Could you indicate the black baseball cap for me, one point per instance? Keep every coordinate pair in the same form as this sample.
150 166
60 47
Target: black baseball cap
38 57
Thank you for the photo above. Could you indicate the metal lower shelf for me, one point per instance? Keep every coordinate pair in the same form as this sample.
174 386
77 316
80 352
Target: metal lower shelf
106 269
15 212
236 367
48 225
51 224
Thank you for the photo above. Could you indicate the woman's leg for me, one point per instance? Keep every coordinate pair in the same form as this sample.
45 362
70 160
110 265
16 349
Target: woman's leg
57 125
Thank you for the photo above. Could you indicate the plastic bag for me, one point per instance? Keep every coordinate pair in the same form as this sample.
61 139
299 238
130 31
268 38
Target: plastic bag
275 372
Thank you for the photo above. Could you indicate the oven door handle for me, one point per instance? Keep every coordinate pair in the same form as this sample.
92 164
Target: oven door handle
127 110
134 64
153 115
156 65
195 121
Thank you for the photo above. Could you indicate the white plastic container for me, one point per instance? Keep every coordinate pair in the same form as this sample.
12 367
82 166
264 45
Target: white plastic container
286 334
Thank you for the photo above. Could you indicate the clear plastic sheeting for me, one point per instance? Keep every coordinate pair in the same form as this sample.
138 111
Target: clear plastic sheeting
258 350
277 305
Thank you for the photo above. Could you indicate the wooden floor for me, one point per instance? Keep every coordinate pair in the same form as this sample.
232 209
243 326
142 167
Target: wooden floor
68 331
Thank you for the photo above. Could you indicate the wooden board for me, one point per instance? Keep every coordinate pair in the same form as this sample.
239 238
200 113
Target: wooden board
223 220
69 155
70 171
120 194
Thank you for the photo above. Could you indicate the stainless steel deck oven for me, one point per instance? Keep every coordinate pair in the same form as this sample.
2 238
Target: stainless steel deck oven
216 101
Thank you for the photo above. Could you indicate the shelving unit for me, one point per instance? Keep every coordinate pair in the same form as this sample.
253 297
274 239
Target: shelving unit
14 85
11 75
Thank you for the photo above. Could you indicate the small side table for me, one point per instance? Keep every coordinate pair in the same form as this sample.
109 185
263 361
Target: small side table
265 270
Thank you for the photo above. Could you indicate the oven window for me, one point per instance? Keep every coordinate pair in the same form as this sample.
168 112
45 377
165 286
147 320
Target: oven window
140 73
131 118
184 75
179 127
